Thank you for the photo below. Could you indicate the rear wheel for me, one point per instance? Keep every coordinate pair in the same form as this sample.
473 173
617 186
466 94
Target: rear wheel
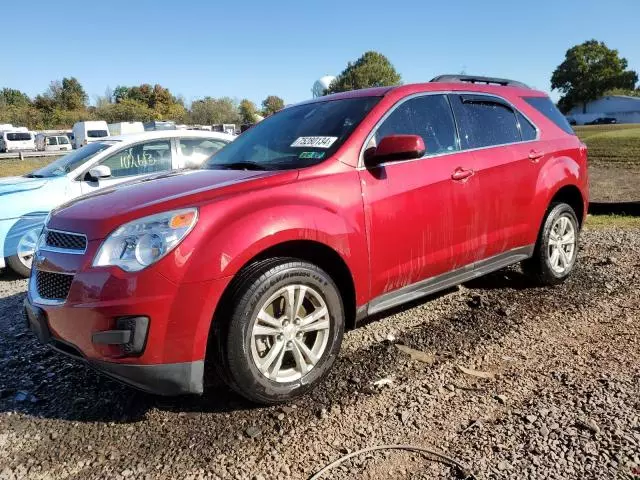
21 262
282 333
556 249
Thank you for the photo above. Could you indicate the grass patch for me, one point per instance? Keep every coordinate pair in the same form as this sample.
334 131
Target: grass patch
604 221
15 167
611 144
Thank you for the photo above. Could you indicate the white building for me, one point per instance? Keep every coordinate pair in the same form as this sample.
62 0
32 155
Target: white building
623 108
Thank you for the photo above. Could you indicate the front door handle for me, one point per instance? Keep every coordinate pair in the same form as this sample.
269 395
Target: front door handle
461 174
535 155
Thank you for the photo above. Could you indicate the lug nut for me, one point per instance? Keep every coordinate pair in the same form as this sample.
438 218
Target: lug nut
299 335
285 323
296 322
279 337
289 344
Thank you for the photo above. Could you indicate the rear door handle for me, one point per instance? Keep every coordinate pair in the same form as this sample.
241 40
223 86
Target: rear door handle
535 155
461 174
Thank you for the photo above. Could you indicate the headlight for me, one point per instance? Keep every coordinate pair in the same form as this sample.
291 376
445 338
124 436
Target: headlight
138 244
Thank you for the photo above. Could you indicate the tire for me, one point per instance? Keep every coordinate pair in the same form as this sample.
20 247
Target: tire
20 263
242 342
16 265
543 267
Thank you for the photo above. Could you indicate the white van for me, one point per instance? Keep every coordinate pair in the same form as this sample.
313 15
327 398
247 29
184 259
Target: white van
17 141
124 128
88 132
52 143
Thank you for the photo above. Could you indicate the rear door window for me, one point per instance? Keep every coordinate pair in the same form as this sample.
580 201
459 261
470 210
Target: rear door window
484 121
428 116
527 130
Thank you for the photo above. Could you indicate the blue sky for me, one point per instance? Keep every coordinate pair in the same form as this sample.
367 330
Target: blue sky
253 48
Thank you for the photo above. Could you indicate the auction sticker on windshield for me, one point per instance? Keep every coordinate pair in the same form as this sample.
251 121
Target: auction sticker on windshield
314 142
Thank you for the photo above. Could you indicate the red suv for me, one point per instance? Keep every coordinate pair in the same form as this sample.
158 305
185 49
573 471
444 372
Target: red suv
322 214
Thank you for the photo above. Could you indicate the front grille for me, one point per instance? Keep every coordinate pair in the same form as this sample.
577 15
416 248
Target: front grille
53 286
67 241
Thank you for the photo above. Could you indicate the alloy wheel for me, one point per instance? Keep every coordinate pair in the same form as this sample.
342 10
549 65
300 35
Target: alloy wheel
290 333
27 247
562 244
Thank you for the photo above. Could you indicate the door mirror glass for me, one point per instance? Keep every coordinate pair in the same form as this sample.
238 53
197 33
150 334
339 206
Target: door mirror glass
393 148
98 172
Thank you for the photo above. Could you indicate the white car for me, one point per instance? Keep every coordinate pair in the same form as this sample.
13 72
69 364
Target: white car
52 143
17 141
27 200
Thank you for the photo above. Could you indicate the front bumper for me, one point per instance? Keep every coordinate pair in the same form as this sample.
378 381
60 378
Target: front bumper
161 379
93 323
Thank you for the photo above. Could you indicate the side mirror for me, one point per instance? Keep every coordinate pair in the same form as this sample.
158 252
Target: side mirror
98 172
395 148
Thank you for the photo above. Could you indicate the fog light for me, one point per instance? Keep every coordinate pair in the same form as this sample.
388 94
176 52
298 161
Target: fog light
130 335
139 327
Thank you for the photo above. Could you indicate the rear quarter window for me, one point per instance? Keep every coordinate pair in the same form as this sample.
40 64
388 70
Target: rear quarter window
546 107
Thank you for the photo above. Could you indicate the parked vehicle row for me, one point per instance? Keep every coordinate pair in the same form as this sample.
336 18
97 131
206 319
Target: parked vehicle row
27 200
323 213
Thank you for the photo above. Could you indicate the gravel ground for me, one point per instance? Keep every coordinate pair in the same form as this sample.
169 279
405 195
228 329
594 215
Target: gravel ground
562 400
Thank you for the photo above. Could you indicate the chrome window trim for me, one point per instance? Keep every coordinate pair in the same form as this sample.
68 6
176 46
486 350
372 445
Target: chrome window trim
47 248
33 291
361 165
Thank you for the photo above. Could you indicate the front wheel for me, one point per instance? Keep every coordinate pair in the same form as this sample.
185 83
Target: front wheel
556 249
21 262
283 332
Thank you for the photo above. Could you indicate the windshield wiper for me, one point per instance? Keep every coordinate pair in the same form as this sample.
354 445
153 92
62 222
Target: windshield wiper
236 166
34 175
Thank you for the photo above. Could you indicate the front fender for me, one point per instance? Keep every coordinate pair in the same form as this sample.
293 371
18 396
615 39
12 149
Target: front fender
218 250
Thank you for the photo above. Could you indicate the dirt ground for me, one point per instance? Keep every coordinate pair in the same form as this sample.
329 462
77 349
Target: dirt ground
564 400
614 183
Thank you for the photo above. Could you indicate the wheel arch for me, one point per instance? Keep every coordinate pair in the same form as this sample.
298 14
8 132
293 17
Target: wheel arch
310 251
572 196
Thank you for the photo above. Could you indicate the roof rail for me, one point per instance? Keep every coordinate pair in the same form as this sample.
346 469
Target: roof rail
505 82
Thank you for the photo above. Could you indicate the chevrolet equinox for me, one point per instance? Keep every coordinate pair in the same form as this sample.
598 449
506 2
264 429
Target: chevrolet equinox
326 212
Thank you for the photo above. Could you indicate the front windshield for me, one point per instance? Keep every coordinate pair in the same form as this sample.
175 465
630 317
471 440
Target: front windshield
70 162
295 137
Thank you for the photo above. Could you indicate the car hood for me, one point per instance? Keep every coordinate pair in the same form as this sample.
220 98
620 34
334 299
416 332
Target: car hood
99 213
20 184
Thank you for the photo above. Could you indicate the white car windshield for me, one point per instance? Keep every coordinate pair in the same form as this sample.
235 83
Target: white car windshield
70 162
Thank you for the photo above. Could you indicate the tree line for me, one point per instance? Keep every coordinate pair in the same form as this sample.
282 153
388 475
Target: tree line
589 71
66 102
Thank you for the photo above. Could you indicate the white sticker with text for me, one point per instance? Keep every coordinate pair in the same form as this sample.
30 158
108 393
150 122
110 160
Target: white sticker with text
314 142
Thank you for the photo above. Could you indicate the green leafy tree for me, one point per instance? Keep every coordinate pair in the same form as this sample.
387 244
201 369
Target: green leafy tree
271 105
73 96
13 97
67 94
371 70
209 111
588 71
248 111
623 91
125 111
162 104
